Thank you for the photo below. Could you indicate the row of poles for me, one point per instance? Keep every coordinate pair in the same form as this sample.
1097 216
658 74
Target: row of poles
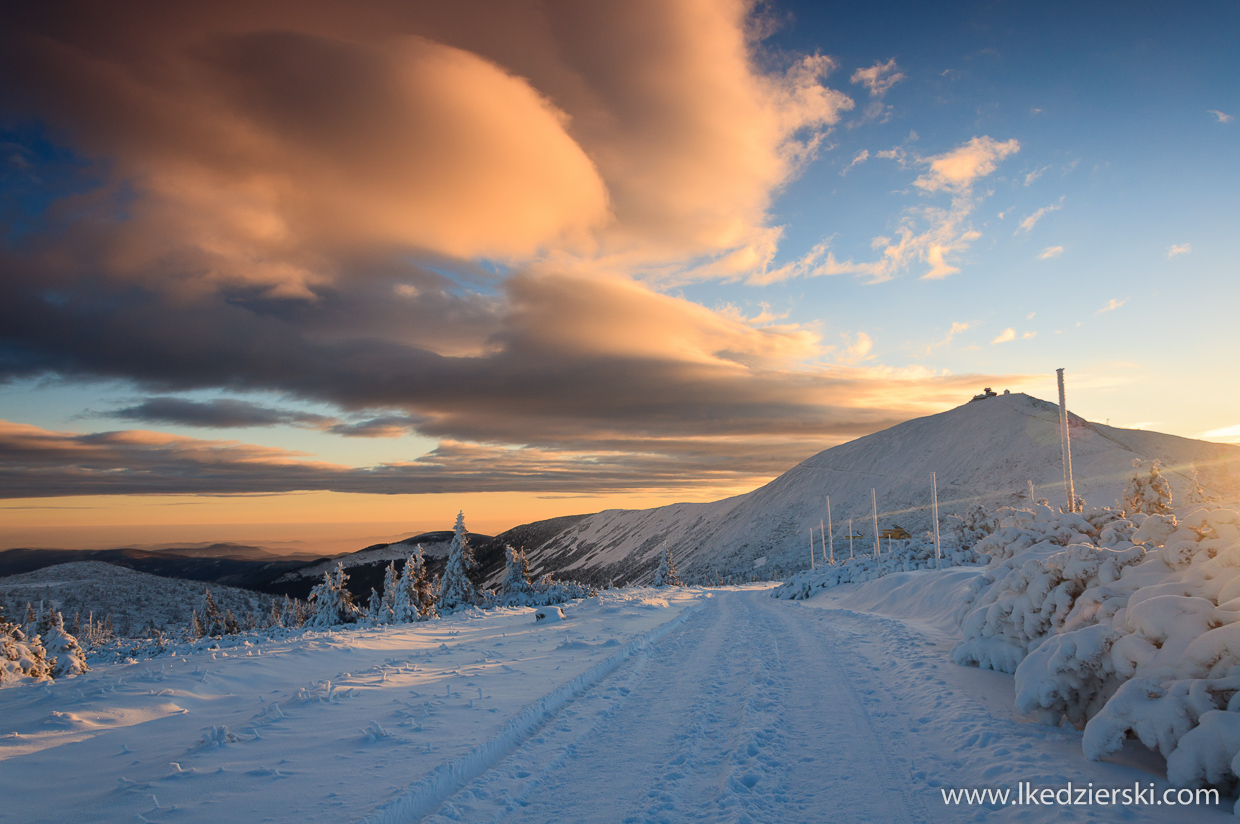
827 531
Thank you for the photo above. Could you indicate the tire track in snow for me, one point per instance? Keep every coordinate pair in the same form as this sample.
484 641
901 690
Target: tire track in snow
448 778
740 716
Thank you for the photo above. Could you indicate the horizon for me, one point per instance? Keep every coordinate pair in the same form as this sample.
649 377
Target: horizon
642 255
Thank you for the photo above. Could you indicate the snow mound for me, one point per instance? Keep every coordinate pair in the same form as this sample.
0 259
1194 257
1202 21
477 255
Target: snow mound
549 614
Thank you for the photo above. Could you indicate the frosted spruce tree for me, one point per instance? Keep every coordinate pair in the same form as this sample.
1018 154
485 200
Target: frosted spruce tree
333 604
212 618
63 653
412 597
374 607
665 575
515 588
456 590
1148 491
385 611
424 590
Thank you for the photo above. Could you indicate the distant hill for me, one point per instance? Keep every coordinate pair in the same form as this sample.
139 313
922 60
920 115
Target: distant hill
254 572
986 451
135 600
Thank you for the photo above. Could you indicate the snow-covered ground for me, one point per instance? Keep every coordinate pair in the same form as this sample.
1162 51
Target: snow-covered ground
641 706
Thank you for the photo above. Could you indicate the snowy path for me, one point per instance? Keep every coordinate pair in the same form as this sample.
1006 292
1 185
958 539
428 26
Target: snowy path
644 706
756 710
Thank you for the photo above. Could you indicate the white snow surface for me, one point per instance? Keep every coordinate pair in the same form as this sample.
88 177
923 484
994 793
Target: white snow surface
643 705
982 452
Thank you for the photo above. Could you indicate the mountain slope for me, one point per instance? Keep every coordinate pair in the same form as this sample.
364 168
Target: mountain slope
984 452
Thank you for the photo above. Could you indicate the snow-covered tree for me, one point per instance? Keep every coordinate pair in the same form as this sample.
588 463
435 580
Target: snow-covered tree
456 589
212 618
333 603
516 584
425 591
1148 491
374 608
196 629
20 657
413 597
63 653
665 575
384 612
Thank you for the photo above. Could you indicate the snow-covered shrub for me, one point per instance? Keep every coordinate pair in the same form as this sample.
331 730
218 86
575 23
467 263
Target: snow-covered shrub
1034 599
665 575
1207 754
333 605
1128 625
1067 676
457 590
548 590
1147 492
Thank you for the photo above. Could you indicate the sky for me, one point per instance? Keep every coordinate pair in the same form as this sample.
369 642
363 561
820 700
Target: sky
321 274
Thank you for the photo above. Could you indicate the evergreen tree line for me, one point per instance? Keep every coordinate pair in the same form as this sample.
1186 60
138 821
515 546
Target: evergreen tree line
410 595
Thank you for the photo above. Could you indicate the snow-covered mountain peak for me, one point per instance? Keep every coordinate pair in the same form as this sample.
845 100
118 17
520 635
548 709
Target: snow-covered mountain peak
986 451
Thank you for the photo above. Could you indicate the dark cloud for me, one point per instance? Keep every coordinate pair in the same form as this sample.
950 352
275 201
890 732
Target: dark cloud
219 413
39 463
386 426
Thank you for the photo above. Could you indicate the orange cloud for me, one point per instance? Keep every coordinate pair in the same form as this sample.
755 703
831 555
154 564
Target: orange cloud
266 140
958 169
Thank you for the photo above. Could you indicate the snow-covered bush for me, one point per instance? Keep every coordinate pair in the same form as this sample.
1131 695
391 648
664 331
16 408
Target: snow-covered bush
1127 626
1034 597
457 590
665 575
333 605
1148 492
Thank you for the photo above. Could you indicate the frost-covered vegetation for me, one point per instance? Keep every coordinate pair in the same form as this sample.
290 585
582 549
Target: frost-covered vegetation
956 548
40 650
1125 624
